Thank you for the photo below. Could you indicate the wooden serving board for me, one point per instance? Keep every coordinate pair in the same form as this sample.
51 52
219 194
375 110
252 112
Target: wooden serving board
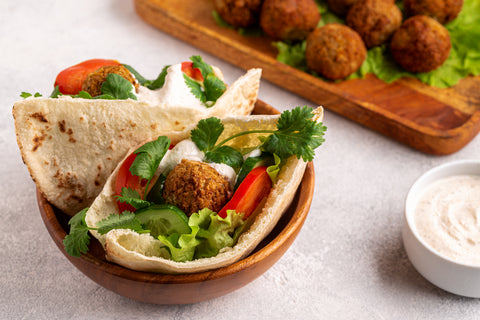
432 120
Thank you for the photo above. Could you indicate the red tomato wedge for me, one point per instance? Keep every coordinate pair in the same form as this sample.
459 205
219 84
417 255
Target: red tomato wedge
189 70
125 179
253 189
69 81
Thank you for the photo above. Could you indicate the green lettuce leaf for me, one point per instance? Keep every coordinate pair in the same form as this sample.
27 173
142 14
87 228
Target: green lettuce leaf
181 247
210 233
214 231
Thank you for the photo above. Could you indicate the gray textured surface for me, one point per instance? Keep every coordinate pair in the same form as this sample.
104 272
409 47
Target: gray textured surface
347 263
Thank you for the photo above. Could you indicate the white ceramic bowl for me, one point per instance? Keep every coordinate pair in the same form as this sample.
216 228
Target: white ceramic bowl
458 278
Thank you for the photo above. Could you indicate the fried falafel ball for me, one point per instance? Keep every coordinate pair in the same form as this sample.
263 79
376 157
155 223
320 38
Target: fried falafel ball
239 13
443 11
93 82
340 7
335 51
194 185
421 44
289 19
374 20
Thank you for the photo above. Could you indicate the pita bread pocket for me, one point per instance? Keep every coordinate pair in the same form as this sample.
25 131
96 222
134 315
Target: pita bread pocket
141 251
72 144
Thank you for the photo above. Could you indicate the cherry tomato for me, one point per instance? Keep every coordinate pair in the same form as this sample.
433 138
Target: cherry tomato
253 189
189 70
70 80
125 179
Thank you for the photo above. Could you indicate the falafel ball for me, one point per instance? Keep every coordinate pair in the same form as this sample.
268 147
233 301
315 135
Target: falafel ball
421 44
239 13
340 7
374 20
93 82
335 51
443 11
289 19
194 185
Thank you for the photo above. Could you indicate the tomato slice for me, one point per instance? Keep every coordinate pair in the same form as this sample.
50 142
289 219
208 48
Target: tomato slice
253 189
70 80
189 70
125 179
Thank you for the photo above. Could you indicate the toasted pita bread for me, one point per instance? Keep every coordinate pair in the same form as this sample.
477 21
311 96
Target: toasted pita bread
72 145
141 251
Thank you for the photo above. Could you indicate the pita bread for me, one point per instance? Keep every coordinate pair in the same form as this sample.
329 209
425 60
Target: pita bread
71 145
141 251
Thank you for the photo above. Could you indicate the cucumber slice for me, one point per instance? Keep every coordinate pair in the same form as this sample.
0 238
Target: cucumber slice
164 219
250 163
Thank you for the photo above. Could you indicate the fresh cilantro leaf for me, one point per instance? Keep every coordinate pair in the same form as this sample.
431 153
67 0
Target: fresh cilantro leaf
206 133
160 81
84 95
195 88
226 155
211 88
136 74
125 220
132 197
27 95
204 67
76 242
297 134
150 84
118 87
214 87
56 92
148 157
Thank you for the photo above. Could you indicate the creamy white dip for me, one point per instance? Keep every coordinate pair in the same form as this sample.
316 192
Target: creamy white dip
447 217
174 92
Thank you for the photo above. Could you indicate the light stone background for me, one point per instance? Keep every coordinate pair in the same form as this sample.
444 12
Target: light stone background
348 262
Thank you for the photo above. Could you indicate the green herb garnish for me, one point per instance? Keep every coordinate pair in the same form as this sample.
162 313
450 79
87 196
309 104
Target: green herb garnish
27 95
77 241
150 84
297 134
133 198
211 88
148 158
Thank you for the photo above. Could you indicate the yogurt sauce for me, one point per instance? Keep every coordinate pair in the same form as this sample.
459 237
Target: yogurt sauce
174 92
447 217
187 149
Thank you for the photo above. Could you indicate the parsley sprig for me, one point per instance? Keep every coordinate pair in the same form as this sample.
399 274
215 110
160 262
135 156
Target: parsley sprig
150 84
296 134
77 241
148 158
211 88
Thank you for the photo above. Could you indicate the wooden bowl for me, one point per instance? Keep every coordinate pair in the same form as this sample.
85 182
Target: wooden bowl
187 288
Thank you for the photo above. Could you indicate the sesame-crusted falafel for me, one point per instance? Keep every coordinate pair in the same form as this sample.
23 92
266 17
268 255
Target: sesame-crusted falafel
289 19
374 20
421 44
335 51
93 82
443 11
194 185
239 13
